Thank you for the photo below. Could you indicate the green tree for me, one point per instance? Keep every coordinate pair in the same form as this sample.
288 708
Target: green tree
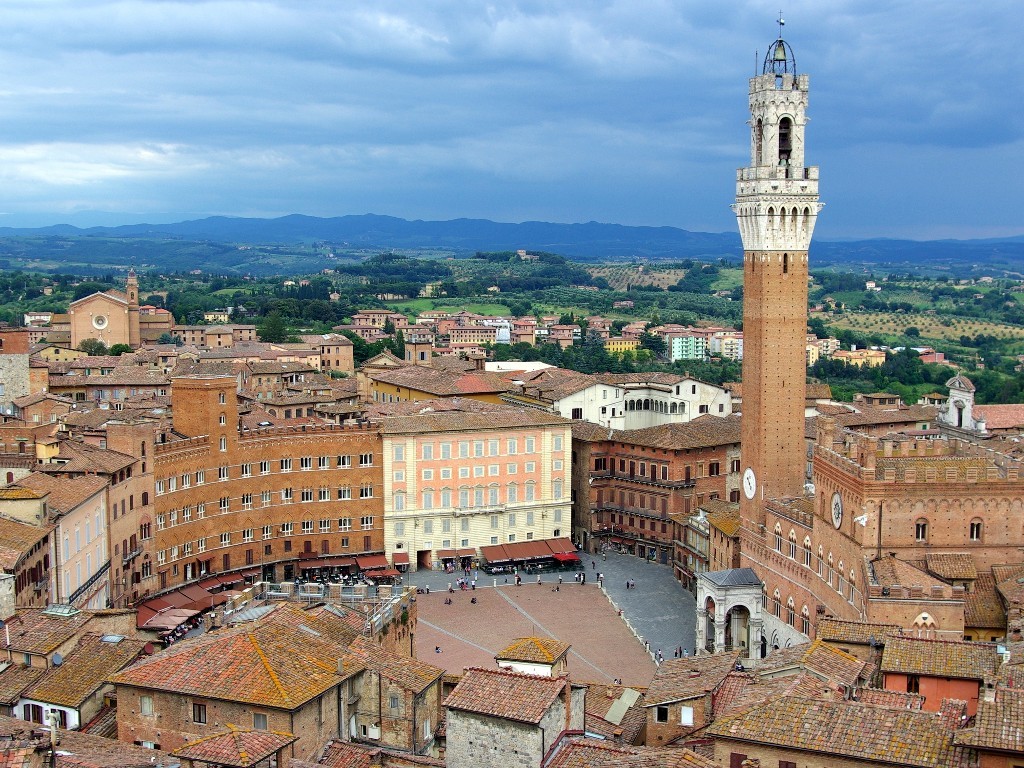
120 349
273 329
93 347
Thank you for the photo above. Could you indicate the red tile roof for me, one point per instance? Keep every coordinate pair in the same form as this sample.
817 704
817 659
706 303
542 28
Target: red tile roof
509 695
538 650
939 658
65 493
282 662
236 747
85 670
847 729
999 724
686 678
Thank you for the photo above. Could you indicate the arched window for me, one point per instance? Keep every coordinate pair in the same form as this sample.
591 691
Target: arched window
805 620
976 529
807 551
792 544
853 585
222 420
777 604
758 142
778 537
223 443
821 560
842 578
785 140
921 529
791 612
831 570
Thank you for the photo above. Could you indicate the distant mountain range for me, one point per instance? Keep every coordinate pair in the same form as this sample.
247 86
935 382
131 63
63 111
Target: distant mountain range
592 241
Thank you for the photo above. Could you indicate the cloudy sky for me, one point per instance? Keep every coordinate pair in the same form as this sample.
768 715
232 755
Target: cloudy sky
625 111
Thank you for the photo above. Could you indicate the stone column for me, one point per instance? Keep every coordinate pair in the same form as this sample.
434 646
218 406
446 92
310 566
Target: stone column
719 635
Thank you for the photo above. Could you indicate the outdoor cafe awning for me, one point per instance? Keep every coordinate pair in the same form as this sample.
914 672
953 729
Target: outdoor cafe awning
383 572
495 553
451 554
400 558
369 562
566 557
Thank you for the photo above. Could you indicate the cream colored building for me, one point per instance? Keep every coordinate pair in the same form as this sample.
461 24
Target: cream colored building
468 475
78 507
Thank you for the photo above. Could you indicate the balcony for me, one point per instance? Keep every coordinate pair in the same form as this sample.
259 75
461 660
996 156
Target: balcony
643 480
130 556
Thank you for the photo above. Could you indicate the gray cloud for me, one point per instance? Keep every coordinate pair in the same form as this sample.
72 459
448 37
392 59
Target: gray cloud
631 112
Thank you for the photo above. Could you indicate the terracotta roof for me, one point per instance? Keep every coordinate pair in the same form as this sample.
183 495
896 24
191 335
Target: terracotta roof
891 571
857 632
538 650
999 724
982 606
103 723
835 665
869 415
344 754
847 729
723 515
880 697
939 658
596 753
679 679
508 695
703 432
15 679
441 382
15 493
743 691
500 417
1009 416
85 670
951 565
409 673
236 747
17 539
38 632
65 493
84 750
615 711
78 456
281 662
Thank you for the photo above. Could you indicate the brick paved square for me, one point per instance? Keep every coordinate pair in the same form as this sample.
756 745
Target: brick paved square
603 647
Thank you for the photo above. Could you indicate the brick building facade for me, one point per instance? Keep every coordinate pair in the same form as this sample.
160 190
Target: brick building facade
269 501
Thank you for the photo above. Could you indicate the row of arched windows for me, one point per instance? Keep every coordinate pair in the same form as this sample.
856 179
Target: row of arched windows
777 608
834 574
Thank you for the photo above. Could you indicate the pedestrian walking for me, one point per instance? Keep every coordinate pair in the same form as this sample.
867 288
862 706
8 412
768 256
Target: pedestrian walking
593 564
474 585
538 579
559 578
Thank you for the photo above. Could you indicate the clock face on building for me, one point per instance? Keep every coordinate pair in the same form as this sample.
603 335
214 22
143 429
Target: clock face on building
99 321
749 483
837 510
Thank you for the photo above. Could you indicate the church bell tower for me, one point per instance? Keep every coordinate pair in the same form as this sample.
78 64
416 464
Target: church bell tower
776 208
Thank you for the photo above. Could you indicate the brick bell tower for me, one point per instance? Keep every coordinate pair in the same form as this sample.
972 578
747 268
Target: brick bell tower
776 208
